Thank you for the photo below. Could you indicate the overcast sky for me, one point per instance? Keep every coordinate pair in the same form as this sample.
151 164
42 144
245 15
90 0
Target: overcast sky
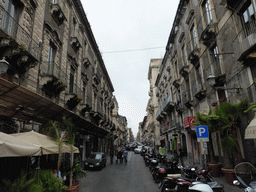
129 33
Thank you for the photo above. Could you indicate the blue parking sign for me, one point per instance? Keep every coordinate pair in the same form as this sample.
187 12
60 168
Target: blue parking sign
202 133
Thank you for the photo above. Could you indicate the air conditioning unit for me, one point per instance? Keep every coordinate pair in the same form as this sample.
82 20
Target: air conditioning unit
248 42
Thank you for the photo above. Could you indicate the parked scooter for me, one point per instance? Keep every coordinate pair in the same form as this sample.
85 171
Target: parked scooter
188 175
183 185
161 171
246 176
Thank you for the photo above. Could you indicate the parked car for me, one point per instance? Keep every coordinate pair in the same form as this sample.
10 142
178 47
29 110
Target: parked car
96 160
138 149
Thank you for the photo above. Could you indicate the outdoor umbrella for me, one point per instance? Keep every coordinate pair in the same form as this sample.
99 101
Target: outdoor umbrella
48 145
14 147
250 131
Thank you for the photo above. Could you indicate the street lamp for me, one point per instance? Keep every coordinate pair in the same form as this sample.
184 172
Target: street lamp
4 65
211 79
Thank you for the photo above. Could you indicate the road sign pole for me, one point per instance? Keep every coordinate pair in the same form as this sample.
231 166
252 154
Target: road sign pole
205 150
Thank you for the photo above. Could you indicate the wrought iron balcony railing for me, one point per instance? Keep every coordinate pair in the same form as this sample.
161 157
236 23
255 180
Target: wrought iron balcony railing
53 69
9 27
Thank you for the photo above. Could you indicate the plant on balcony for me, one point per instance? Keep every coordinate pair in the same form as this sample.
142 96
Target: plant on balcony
22 47
73 102
54 87
87 108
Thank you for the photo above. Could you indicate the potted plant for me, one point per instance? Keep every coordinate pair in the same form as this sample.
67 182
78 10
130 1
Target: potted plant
53 129
228 116
70 130
225 119
78 173
73 102
203 119
54 87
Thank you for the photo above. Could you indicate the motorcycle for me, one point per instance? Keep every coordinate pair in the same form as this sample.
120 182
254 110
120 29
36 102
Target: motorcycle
161 171
182 185
246 176
188 176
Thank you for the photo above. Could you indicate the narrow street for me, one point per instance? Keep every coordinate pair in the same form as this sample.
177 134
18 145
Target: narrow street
130 177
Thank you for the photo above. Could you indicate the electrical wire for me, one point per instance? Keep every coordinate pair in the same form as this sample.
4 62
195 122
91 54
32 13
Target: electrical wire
130 50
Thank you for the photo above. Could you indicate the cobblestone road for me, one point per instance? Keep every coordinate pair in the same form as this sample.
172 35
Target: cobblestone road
131 177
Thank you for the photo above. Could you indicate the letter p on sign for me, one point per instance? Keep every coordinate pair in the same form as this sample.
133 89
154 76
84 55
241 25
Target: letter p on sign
202 133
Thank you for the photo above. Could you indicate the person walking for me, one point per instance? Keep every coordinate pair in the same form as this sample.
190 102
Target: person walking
120 155
125 155
116 155
111 154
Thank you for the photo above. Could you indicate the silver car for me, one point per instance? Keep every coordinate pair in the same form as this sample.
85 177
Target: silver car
138 149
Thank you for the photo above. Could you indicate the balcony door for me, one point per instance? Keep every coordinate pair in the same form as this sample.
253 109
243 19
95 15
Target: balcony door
248 19
10 17
51 57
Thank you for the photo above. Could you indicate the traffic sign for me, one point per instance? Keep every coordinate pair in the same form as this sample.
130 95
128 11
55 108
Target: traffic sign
202 133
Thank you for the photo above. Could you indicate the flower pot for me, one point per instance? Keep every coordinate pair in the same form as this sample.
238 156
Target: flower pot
229 175
72 189
215 169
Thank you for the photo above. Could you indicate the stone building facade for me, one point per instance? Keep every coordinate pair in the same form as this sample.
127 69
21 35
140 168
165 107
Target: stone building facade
209 40
55 70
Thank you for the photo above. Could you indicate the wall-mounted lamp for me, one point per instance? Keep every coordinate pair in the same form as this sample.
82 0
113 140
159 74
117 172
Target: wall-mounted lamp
86 114
211 79
4 65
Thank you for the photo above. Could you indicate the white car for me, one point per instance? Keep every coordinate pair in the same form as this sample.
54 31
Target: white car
138 149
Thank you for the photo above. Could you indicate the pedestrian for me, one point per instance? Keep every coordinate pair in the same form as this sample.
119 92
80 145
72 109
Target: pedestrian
116 155
120 155
125 155
111 154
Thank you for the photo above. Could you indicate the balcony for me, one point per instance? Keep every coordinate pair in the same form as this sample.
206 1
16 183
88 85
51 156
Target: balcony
16 44
57 11
179 107
176 83
166 105
230 4
188 102
184 71
86 62
193 57
75 43
200 93
208 35
248 44
96 78
50 70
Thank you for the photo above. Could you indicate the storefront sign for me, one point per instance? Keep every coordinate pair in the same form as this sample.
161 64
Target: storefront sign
189 121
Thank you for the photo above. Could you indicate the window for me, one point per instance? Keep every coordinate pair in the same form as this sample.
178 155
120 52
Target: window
193 37
207 12
73 28
248 19
188 89
51 56
184 55
176 68
214 52
84 89
198 75
10 17
71 80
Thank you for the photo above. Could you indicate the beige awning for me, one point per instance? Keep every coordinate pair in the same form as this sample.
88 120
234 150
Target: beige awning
47 145
250 131
15 147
